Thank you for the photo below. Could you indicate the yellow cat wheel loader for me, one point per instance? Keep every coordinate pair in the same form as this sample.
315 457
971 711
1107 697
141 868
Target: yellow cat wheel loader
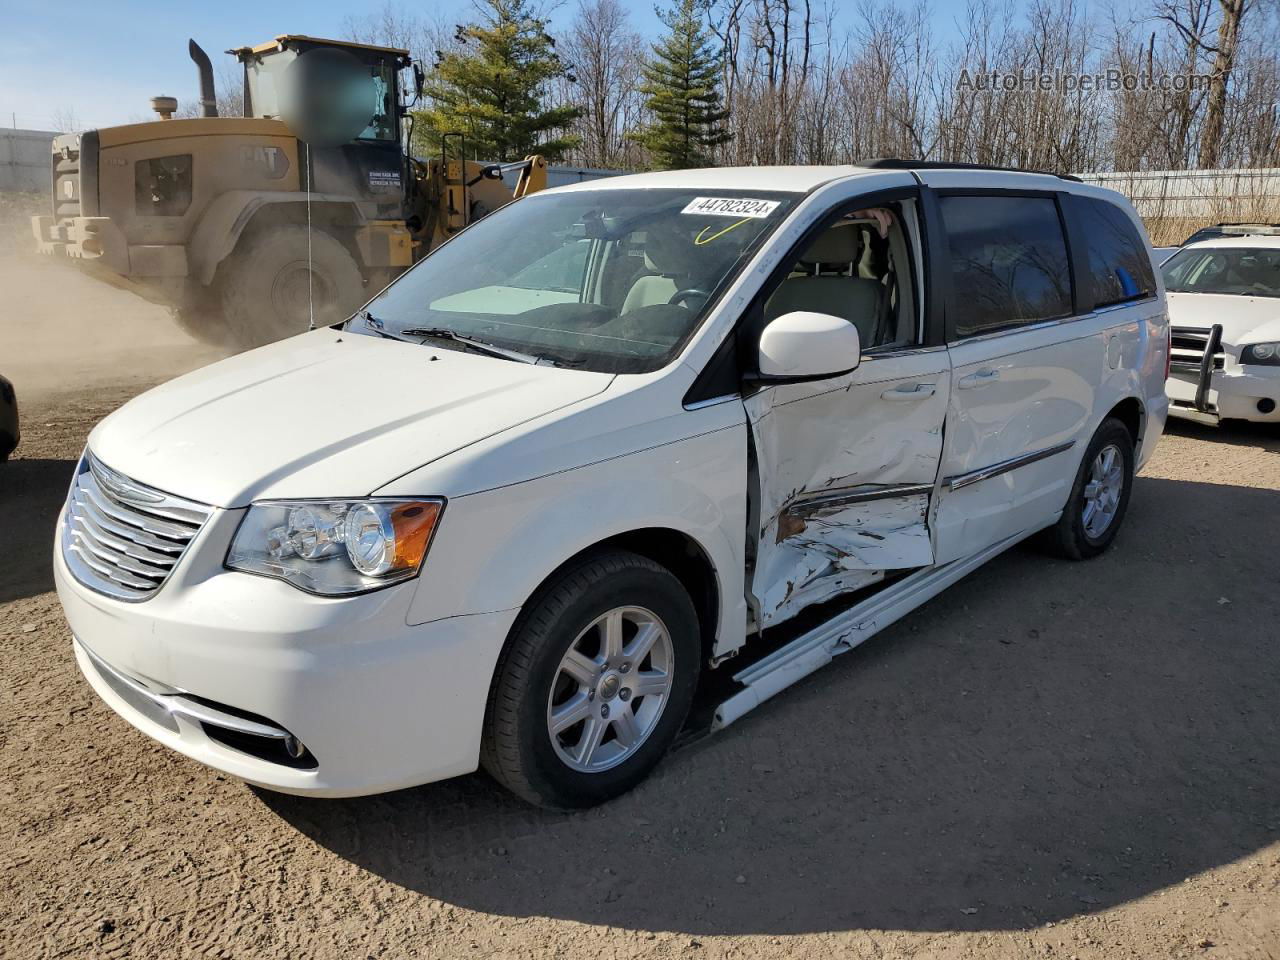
219 217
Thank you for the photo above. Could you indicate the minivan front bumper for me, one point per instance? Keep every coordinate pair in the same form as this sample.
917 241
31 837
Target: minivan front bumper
223 668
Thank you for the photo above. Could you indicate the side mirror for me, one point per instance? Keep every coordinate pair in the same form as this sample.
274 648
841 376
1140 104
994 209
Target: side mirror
808 346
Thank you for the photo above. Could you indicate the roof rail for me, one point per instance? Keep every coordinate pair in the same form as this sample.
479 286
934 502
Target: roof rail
900 163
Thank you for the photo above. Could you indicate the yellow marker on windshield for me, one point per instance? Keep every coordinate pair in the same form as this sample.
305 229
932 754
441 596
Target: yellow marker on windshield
700 240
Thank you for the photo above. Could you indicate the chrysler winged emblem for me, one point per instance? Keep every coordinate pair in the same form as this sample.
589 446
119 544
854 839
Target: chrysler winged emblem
121 488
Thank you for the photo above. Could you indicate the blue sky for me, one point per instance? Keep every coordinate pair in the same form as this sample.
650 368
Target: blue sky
105 60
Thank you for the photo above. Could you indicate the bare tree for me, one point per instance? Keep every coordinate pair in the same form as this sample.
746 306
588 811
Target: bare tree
65 120
606 55
391 26
1192 19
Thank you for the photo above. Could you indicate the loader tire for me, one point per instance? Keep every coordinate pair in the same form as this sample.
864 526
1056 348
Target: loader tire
264 284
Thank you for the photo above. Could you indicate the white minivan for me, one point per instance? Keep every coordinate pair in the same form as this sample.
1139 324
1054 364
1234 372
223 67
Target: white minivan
609 439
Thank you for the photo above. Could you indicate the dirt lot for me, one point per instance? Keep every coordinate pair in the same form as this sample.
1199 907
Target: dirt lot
1052 759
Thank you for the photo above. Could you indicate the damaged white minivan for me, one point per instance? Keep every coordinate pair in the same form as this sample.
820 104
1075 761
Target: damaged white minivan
607 440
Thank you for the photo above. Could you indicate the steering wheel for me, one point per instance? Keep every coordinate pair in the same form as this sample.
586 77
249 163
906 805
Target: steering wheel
680 296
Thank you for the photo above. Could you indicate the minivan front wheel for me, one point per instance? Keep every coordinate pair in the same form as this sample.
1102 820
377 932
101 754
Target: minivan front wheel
1099 497
594 683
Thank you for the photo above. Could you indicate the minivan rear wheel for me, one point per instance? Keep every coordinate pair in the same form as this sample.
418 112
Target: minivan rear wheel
594 684
1099 496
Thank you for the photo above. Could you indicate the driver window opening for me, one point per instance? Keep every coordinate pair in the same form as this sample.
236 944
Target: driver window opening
858 269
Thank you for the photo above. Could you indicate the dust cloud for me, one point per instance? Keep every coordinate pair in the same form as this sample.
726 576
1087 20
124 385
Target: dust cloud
62 329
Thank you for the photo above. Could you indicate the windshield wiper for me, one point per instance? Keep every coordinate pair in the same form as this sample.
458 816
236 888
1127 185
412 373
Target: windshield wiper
444 333
374 324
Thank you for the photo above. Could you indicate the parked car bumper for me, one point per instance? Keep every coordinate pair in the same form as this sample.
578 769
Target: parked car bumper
225 669
1246 394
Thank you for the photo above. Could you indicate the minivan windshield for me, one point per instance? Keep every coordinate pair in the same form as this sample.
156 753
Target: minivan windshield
1243 271
611 280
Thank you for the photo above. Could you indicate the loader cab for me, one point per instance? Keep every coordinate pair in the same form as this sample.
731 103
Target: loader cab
370 167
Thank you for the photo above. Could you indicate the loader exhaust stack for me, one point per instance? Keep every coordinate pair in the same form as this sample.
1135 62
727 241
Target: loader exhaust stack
208 98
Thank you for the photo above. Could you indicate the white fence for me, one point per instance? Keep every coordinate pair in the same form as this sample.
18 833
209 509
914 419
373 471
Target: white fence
24 160
1207 195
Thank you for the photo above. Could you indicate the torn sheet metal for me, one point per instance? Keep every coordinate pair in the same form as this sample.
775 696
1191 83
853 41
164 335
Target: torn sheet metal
843 490
819 554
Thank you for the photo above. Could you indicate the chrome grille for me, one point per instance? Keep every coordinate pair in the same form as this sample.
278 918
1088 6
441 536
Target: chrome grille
121 537
1189 344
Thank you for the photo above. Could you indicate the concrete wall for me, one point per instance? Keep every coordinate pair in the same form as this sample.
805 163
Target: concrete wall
24 160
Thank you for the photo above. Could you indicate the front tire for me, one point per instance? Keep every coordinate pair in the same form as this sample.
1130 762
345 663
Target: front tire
594 684
264 284
1099 497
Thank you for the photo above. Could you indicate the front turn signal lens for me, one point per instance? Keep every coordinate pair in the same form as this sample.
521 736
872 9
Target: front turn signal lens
384 538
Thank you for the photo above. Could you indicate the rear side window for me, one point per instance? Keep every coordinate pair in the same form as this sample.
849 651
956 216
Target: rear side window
1117 262
1009 263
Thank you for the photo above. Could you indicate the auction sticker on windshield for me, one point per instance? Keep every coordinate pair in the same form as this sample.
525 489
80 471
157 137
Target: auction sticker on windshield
731 206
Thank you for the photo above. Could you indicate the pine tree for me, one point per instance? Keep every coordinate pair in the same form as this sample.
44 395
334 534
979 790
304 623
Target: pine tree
681 84
491 89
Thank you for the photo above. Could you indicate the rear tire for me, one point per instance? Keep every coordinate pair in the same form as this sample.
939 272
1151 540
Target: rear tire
567 725
1099 497
264 287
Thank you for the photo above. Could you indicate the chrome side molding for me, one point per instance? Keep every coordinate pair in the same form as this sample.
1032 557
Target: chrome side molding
844 496
962 480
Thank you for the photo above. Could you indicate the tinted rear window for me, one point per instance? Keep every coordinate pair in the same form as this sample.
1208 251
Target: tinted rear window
1117 260
1009 263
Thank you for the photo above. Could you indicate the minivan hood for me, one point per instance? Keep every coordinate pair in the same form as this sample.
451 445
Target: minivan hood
1238 315
326 414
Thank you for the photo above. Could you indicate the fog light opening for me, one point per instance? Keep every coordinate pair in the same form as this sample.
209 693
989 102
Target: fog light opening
293 746
1266 405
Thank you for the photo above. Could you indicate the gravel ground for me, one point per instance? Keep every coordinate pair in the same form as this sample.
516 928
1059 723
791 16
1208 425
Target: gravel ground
1050 759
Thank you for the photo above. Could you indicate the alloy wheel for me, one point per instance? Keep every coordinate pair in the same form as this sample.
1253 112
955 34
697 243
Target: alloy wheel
1102 491
610 689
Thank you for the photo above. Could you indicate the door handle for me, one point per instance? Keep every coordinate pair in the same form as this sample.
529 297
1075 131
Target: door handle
980 379
916 391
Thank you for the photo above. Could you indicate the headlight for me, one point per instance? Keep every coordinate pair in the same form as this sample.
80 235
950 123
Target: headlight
1265 354
335 547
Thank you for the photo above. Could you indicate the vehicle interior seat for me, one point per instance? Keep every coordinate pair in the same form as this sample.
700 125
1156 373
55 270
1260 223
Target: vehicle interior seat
668 254
857 299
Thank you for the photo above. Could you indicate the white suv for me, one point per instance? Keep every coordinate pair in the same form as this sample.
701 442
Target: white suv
1224 303
594 447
